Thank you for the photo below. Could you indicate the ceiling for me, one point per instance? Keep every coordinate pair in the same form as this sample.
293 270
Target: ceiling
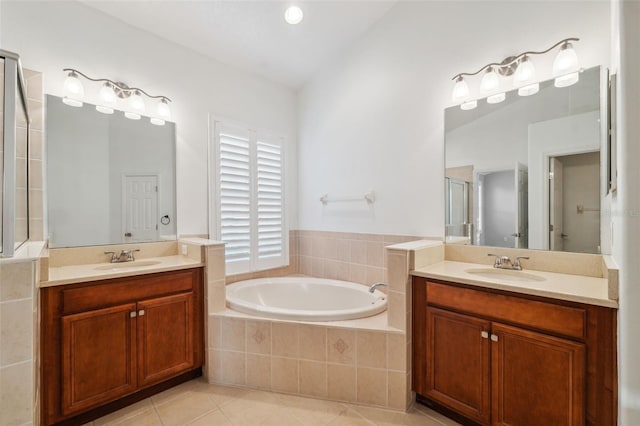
252 35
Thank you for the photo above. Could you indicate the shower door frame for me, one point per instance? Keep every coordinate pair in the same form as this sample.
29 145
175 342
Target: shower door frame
13 77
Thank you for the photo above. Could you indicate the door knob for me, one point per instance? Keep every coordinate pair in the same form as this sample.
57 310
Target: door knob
127 234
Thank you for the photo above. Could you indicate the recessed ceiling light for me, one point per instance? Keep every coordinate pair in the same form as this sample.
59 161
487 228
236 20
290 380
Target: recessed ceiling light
293 15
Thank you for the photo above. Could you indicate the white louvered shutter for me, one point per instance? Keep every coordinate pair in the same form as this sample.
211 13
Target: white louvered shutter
249 188
235 198
270 212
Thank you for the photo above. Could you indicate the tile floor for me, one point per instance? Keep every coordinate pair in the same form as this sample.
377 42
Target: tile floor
198 403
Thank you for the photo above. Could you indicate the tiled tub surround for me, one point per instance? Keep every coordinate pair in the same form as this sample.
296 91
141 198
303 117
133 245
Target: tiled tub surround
364 361
19 321
359 361
345 256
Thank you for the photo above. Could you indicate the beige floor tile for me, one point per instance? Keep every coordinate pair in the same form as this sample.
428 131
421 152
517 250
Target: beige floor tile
220 395
172 393
312 411
214 418
185 408
120 415
383 417
253 409
199 403
445 421
143 418
282 419
349 417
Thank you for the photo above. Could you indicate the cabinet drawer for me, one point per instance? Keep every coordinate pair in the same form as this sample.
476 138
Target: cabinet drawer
544 316
124 290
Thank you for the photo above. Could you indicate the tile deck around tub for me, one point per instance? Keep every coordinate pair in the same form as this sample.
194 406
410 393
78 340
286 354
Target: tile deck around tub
199 403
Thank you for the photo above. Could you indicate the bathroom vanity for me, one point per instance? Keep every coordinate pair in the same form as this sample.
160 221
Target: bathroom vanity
496 351
109 342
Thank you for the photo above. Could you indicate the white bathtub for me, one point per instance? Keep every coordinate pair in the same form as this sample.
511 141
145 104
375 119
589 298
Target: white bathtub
305 299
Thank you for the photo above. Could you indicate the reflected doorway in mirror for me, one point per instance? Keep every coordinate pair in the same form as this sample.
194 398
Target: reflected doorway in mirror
140 213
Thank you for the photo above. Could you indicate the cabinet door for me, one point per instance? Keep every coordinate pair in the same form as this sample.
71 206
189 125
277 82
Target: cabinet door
165 337
458 363
537 379
97 360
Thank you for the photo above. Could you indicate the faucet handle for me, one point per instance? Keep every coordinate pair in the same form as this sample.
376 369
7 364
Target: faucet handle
114 257
498 261
130 254
516 263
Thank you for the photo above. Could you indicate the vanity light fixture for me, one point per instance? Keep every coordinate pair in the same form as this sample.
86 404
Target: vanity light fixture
111 94
565 72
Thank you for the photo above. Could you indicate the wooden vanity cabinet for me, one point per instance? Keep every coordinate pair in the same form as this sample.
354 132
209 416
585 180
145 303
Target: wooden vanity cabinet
499 358
118 340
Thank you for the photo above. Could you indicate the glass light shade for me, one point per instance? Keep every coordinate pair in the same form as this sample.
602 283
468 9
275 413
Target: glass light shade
566 61
104 109
72 102
132 115
157 121
490 82
497 98
469 105
73 86
529 90
293 15
163 109
460 90
136 103
525 73
567 80
107 94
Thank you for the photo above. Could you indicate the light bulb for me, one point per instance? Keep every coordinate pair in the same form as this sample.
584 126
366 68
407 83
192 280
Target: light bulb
293 15
460 90
163 109
566 61
104 109
469 105
107 94
567 79
73 86
157 121
490 81
529 89
525 73
132 115
72 102
497 98
136 102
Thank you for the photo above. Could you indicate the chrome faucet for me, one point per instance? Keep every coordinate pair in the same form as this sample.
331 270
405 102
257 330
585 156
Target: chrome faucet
376 285
504 262
124 256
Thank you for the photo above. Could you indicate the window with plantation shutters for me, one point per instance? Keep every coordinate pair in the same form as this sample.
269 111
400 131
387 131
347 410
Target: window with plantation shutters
248 187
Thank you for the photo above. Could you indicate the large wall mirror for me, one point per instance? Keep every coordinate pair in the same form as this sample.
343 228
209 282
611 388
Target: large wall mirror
110 179
526 173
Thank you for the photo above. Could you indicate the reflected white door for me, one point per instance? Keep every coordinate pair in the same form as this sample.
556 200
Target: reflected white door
140 208
522 213
556 227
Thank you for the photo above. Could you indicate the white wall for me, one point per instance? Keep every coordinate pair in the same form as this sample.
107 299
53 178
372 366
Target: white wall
374 118
50 36
625 210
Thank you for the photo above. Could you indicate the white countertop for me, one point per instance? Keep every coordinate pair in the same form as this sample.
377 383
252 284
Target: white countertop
91 272
575 288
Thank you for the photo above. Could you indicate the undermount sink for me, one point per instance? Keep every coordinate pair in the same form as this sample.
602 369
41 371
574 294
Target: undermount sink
126 265
505 274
